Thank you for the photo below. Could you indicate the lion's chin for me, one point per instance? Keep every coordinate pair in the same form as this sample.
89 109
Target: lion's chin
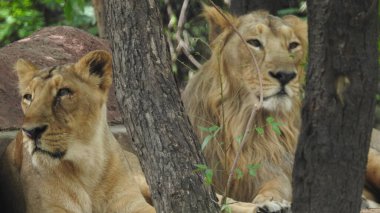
278 103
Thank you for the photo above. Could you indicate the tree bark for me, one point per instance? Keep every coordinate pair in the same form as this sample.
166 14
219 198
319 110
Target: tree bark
152 110
100 16
337 116
241 7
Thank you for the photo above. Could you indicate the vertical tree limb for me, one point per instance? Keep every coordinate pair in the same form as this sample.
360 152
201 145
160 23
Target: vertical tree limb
337 116
152 110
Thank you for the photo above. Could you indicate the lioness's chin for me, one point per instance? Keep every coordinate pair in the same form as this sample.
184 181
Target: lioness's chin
278 103
55 154
43 160
43 157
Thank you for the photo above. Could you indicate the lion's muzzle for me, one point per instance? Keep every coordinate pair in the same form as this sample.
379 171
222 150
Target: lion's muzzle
284 77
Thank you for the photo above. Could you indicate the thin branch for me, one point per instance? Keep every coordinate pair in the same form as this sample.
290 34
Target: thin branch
182 45
254 109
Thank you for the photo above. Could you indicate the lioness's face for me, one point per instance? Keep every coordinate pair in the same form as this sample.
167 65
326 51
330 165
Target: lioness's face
62 104
279 51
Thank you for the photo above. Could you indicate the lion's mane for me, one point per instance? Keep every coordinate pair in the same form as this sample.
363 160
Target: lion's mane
216 95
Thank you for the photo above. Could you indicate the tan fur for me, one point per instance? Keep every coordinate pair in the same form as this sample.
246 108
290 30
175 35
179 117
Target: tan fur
372 187
230 68
226 88
76 165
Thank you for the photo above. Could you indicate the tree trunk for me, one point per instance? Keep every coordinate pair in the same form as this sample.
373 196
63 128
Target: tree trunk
152 109
100 16
241 7
337 116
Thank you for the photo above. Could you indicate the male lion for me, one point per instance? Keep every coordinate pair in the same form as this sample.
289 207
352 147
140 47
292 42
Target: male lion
66 156
225 90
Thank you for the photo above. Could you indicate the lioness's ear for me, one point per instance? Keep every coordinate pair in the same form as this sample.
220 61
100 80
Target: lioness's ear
217 22
300 28
97 66
25 71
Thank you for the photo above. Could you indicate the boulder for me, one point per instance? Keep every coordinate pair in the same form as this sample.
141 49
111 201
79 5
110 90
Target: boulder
47 47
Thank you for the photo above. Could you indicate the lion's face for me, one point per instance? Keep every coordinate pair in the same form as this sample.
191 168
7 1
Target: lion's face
62 104
279 49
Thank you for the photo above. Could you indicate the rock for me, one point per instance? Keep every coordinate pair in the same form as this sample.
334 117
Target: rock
47 47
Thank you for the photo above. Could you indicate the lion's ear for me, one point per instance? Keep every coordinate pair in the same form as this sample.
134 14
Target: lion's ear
300 28
97 66
25 71
217 21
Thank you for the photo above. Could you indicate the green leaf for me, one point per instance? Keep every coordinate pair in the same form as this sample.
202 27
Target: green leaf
226 208
238 173
260 130
206 141
212 128
270 120
274 125
208 176
200 167
203 129
239 138
276 129
173 20
287 11
252 169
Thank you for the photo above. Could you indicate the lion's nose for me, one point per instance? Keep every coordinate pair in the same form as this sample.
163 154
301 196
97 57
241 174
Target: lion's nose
35 132
283 76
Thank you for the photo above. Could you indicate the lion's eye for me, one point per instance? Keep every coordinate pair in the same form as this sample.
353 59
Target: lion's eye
293 45
27 97
64 92
255 43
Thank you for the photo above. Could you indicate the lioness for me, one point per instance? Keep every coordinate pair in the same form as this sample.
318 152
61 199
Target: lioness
65 155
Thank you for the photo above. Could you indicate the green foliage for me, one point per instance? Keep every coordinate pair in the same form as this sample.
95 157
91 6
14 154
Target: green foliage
238 173
213 130
252 169
207 172
226 208
274 125
287 11
20 18
239 138
259 130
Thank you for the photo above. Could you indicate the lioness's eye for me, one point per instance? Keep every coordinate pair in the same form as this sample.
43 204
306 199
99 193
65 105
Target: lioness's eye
255 43
293 45
27 97
63 92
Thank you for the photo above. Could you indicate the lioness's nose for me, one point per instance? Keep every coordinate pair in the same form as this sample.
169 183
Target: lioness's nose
283 76
35 132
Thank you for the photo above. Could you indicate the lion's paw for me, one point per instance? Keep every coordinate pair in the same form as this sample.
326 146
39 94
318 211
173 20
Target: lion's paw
274 207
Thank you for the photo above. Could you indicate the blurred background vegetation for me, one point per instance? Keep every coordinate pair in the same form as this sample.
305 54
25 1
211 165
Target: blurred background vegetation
20 18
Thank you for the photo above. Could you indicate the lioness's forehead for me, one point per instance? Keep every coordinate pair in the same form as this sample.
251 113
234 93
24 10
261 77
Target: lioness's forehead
66 73
48 72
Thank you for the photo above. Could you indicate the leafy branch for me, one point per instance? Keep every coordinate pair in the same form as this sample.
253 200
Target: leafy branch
256 107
